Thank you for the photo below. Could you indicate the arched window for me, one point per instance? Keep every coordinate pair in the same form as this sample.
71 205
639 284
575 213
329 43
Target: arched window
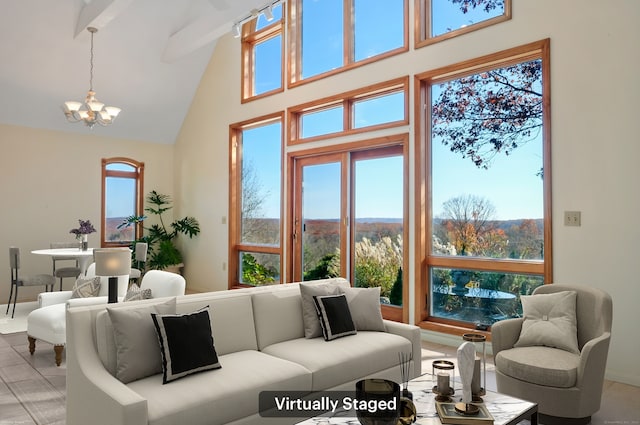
122 196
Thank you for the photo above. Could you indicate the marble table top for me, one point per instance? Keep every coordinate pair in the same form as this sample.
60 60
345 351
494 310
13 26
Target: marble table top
506 410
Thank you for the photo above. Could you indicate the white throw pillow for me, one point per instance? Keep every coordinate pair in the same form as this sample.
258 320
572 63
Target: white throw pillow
364 305
550 320
137 346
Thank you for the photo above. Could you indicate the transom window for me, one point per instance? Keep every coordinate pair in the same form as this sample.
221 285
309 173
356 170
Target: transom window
442 19
379 106
122 197
262 56
333 35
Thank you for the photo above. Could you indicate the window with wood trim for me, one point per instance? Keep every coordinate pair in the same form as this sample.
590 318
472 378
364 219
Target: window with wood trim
439 20
382 105
122 197
330 36
255 202
349 217
485 137
263 56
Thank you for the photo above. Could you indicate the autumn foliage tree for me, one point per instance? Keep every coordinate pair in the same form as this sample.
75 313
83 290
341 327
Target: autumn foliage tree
482 115
468 221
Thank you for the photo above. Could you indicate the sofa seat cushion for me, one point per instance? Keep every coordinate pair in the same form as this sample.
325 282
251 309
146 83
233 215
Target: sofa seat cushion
48 324
345 359
222 395
551 367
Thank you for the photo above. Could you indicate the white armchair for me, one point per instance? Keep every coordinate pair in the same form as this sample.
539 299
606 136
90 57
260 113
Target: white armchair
48 322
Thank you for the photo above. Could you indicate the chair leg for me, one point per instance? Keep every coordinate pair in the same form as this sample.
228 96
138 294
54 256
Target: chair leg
61 284
32 344
9 302
14 303
58 350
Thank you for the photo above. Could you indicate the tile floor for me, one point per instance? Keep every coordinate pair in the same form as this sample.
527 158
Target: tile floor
33 390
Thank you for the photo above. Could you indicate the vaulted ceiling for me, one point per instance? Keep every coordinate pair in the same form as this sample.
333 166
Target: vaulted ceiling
149 57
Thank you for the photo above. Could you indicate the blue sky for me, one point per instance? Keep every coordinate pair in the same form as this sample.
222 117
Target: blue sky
511 183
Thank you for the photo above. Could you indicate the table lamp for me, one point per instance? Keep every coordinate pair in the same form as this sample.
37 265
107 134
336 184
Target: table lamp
113 262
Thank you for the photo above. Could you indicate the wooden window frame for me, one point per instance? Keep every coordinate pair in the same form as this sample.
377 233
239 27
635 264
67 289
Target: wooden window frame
235 198
423 211
347 100
398 142
294 69
138 176
250 39
422 24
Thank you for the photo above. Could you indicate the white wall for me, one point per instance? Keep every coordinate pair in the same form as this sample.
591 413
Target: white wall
595 145
50 179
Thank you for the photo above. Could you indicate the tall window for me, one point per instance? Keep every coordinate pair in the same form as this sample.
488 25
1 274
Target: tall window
122 197
333 35
442 19
255 207
262 56
487 169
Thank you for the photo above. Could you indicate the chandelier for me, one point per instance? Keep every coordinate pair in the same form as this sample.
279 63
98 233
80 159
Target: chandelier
91 111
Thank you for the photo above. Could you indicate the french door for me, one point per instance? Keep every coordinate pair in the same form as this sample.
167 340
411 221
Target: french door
349 211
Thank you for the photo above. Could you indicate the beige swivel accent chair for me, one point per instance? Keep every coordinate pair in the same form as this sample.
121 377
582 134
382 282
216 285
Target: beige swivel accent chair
140 257
567 386
45 280
62 272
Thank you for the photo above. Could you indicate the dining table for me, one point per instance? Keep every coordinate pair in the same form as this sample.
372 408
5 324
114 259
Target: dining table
84 257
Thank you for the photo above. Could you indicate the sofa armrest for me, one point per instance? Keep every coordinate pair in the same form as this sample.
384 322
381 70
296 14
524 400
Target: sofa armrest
412 333
50 298
504 334
94 396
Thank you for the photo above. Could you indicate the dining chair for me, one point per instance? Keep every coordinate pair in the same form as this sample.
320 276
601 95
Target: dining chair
45 280
65 271
140 257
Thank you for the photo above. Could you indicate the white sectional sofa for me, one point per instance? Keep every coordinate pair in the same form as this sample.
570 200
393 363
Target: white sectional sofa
260 341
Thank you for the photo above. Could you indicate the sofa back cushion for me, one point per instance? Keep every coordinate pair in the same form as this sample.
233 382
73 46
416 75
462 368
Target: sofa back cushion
278 316
231 319
279 312
231 323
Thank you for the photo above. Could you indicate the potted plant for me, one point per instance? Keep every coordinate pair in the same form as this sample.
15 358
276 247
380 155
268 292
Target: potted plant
163 254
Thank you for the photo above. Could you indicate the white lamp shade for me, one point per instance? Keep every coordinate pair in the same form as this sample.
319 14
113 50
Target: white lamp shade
95 106
72 106
83 114
112 110
112 261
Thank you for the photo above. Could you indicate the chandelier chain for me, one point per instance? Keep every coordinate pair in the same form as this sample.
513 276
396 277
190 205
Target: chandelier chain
91 66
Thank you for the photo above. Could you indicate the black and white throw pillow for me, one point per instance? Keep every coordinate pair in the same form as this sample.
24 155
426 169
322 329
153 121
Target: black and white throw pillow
186 344
334 316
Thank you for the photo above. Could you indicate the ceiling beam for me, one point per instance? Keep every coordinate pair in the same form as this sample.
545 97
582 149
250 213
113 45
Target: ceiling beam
99 13
199 33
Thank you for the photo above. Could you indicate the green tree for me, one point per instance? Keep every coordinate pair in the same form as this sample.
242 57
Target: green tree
395 296
254 273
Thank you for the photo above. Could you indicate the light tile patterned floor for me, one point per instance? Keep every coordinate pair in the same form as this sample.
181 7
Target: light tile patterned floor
33 389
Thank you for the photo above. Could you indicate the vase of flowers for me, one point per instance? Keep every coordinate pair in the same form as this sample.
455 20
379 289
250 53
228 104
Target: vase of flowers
82 233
